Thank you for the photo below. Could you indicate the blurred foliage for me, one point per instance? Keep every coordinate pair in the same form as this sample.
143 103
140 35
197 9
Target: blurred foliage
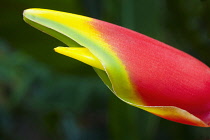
37 103
47 96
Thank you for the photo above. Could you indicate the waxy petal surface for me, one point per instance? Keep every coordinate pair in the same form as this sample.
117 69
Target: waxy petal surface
81 54
142 71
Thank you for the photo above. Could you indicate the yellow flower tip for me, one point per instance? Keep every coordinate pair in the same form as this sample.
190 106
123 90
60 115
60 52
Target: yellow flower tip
81 54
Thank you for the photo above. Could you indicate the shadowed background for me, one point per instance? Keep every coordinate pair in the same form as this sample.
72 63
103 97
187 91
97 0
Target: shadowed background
47 96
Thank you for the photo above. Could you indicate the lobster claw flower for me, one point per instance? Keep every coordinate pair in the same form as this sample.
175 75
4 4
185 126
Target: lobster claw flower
141 71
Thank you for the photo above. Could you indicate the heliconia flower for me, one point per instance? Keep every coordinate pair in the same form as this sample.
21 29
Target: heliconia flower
141 71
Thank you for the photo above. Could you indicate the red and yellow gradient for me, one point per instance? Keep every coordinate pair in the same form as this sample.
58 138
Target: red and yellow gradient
141 71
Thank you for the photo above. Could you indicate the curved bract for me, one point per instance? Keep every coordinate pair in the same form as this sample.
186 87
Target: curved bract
141 71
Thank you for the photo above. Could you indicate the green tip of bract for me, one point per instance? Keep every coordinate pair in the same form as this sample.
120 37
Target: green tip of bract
29 12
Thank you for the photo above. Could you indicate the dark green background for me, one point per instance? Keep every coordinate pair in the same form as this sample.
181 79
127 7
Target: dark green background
47 96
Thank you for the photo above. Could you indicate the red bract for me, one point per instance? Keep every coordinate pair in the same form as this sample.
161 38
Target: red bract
141 71
161 74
